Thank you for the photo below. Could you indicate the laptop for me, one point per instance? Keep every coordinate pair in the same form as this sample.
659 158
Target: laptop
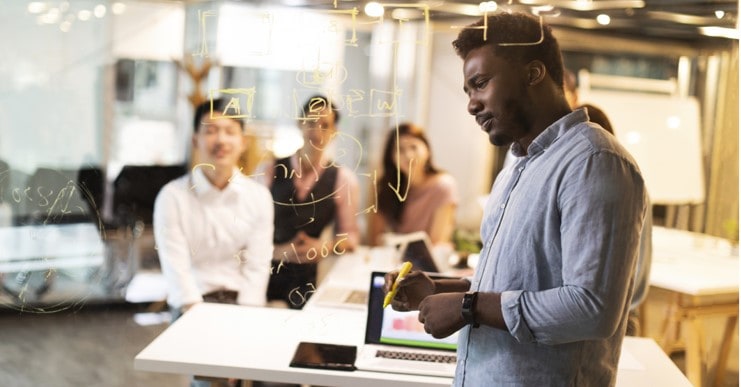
336 296
416 248
396 341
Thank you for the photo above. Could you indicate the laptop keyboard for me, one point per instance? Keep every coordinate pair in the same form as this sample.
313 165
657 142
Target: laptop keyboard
417 356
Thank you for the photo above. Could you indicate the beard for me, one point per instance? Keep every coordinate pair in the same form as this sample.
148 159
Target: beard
513 123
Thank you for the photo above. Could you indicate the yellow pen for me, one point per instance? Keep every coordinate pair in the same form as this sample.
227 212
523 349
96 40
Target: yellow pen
406 267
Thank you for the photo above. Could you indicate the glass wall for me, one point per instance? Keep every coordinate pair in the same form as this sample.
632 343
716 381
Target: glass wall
97 98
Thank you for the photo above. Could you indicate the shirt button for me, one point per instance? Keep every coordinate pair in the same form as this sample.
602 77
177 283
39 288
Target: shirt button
520 169
501 205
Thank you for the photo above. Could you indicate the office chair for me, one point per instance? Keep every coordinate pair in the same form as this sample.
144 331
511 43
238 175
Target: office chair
134 192
136 188
53 197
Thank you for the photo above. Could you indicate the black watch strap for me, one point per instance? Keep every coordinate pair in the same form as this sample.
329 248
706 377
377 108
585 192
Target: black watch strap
467 308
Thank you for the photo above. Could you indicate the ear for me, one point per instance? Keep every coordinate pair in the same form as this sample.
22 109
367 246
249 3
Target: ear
194 140
536 72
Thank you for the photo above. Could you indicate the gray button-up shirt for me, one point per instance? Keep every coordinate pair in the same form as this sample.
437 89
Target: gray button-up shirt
561 232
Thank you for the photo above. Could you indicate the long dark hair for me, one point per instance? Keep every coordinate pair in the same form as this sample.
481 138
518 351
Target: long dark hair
389 204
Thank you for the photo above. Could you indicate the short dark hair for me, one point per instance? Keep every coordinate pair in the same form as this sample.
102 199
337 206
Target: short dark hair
503 29
598 116
308 107
219 105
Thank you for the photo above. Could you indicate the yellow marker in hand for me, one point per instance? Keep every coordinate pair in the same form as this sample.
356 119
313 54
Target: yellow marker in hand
405 269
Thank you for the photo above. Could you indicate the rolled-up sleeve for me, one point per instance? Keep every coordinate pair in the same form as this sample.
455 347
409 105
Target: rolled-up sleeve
601 207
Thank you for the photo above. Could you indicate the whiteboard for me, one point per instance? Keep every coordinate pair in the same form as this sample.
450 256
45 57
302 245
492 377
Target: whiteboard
662 133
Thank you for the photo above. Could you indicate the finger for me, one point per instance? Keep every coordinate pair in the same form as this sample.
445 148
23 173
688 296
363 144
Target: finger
388 280
401 306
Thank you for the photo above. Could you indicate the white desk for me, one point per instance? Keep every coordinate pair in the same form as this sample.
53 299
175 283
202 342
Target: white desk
257 344
250 343
700 273
42 247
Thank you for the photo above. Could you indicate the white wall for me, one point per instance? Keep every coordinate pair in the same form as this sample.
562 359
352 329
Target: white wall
459 145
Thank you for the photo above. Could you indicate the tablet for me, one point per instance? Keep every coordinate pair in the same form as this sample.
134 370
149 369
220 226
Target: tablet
324 356
416 248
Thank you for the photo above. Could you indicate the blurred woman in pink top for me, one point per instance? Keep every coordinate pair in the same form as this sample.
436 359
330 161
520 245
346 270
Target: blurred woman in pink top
413 194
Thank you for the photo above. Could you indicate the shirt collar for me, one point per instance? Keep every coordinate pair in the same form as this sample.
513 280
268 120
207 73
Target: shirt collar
551 133
202 186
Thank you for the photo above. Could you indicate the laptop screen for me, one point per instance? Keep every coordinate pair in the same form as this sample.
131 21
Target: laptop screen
387 326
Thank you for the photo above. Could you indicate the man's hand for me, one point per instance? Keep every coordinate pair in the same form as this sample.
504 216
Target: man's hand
411 290
441 314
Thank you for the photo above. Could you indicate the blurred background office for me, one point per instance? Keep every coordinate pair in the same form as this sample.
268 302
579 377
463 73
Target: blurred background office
96 98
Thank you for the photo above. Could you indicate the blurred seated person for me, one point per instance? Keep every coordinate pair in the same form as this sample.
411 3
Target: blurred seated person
426 198
643 264
310 193
213 227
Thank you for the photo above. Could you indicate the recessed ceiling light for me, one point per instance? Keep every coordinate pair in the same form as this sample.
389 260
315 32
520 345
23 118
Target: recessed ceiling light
720 32
118 8
603 19
374 9
99 10
84 14
36 7
406 14
720 13
488 6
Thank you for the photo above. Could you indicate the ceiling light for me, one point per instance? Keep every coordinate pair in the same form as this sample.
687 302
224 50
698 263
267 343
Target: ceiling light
406 14
589 5
545 10
488 6
36 7
118 8
84 14
52 16
99 10
374 9
721 32
65 26
719 14
603 19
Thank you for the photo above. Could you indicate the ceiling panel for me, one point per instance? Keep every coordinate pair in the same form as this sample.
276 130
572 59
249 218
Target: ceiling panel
675 20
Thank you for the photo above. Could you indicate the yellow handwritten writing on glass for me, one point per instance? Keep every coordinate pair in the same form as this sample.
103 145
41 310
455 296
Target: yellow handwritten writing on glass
202 15
240 102
383 102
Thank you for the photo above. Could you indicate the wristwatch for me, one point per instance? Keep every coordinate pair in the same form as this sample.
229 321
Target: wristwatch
467 308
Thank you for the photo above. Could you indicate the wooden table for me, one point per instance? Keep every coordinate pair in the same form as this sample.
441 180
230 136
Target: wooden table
700 275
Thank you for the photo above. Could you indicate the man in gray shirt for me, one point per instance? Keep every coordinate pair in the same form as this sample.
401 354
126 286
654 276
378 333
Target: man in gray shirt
549 300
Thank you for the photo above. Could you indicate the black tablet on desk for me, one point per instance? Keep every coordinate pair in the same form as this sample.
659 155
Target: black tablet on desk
324 356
